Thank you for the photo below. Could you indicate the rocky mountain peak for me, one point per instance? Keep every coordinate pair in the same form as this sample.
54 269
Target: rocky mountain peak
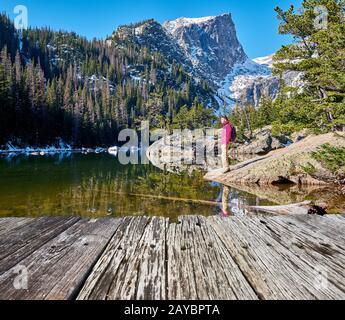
210 43
172 25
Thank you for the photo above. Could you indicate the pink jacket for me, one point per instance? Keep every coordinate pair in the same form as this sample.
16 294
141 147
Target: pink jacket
226 134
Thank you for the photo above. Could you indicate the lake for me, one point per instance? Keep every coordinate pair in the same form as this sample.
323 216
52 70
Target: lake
97 185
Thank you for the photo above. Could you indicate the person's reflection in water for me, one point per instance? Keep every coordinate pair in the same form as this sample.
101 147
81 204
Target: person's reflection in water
225 202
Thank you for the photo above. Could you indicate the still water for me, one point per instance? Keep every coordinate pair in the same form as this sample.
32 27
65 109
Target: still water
97 185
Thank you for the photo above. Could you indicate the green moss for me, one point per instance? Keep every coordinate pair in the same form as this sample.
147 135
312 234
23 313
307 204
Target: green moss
309 169
331 157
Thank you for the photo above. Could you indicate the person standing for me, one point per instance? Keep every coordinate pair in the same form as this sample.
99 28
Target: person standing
225 142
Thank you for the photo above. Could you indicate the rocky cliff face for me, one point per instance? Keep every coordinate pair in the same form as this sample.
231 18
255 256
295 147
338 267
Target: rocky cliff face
206 47
247 89
210 44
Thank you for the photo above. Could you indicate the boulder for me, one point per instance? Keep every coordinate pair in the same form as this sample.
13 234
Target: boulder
263 142
300 135
185 153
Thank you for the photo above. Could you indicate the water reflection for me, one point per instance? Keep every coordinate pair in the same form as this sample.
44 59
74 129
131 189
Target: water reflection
234 202
98 185
332 195
95 185
225 202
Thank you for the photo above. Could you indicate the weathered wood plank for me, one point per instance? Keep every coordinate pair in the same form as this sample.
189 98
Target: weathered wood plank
21 241
324 230
229 274
229 282
316 250
148 263
280 257
181 280
321 225
8 224
133 265
251 256
272 269
337 217
190 257
105 269
200 267
58 269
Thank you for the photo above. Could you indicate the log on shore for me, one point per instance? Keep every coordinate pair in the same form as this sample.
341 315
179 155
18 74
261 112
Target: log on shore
306 207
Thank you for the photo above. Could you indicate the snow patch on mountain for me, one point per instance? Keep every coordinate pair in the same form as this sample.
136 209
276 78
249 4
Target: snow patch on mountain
173 25
231 89
250 82
267 61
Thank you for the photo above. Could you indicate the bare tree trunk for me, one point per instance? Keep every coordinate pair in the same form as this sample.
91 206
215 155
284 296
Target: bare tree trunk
329 114
249 127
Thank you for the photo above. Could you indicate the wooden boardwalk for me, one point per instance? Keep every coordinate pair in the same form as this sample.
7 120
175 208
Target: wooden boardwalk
285 257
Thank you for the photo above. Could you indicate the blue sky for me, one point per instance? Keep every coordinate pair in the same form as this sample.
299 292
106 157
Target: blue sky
255 19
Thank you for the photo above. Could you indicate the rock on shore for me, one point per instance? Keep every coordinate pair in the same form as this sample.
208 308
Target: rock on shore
262 142
294 164
184 153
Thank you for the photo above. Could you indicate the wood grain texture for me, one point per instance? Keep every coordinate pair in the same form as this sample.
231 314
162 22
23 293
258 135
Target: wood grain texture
8 224
318 251
200 266
57 269
133 265
143 258
21 241
274 270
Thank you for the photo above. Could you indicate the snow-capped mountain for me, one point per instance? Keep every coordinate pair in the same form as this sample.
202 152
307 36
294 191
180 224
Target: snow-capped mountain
212 47
210 44
208 48
252 83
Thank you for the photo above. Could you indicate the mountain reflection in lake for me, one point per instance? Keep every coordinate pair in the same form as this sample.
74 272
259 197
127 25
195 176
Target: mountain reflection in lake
97 185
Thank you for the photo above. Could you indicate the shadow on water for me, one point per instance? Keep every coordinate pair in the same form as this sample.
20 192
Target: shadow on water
97 185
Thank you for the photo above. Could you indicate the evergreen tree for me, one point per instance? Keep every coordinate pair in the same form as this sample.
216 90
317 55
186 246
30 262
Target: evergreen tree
319 53
62 86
